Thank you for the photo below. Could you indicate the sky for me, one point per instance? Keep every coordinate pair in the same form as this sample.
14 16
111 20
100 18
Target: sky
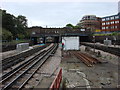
59 13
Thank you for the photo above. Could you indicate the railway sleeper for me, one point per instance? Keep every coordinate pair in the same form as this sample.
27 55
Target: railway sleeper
92 59
86 58
83 60
4 67
10 84
95 61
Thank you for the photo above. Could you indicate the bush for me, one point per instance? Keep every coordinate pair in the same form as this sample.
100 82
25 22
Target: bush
21 36
6 35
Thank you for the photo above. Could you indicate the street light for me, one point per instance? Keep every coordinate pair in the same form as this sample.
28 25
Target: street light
114 38
94 43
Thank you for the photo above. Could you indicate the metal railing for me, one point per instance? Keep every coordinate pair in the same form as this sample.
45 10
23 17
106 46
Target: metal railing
56 83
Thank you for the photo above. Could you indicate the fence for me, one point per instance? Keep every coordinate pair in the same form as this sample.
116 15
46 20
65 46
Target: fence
56 83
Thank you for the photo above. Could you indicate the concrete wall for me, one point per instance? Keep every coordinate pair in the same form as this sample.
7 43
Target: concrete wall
22 46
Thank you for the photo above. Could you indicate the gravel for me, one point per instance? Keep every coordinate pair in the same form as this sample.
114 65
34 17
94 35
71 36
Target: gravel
103 75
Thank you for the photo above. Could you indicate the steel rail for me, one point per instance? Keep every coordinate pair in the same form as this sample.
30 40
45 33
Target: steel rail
21 66
88 60
11 83
82 59
52 51
94 59
13 74
13 60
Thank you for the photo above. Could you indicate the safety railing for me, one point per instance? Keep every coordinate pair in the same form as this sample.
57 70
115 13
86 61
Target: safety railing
56 83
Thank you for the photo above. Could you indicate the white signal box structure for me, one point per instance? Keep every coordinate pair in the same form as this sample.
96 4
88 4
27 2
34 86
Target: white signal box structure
71 42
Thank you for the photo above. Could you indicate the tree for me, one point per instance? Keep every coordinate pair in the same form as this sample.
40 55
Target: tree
114 33
77 27
6 35
8 22
21 36
72 26
21 20
69 26
21 24
15 25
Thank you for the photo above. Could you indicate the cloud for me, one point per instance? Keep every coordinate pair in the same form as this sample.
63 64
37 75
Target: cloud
34 22
59 14
61 0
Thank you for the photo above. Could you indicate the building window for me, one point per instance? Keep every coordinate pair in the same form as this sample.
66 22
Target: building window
116 21
112 22
116 27
106 27
112 18
103 19
107 19
103 27
33 33
103 23
112 27
107 23
116 17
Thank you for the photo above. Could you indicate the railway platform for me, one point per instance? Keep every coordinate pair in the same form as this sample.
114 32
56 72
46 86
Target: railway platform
34 71
113 46
49 70
106 48
10 53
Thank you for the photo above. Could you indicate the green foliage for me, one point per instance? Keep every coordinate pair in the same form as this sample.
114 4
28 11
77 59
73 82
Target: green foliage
77 26
21 36
16 25
72 26
22 21
110 34
114 33
6 35
69 26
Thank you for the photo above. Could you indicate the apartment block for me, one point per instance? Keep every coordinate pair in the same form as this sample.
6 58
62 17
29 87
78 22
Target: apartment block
111 23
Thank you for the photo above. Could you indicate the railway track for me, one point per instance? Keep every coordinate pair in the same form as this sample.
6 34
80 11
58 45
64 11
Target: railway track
13 60
17 78
112 50
9 65
86 59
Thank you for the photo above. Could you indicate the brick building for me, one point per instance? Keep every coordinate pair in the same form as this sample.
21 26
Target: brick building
111 23
90 22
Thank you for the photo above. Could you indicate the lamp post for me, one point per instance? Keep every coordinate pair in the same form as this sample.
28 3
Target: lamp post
114 38
94 43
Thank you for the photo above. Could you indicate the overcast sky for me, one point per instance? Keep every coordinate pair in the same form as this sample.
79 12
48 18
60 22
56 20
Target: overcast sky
58 14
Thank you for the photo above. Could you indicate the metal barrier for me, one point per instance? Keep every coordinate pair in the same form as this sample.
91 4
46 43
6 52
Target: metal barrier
56 83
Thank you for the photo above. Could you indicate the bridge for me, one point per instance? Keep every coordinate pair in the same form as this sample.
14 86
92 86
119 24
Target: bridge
57 33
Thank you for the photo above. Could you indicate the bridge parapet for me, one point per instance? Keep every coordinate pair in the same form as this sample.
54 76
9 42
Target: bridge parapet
37 32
